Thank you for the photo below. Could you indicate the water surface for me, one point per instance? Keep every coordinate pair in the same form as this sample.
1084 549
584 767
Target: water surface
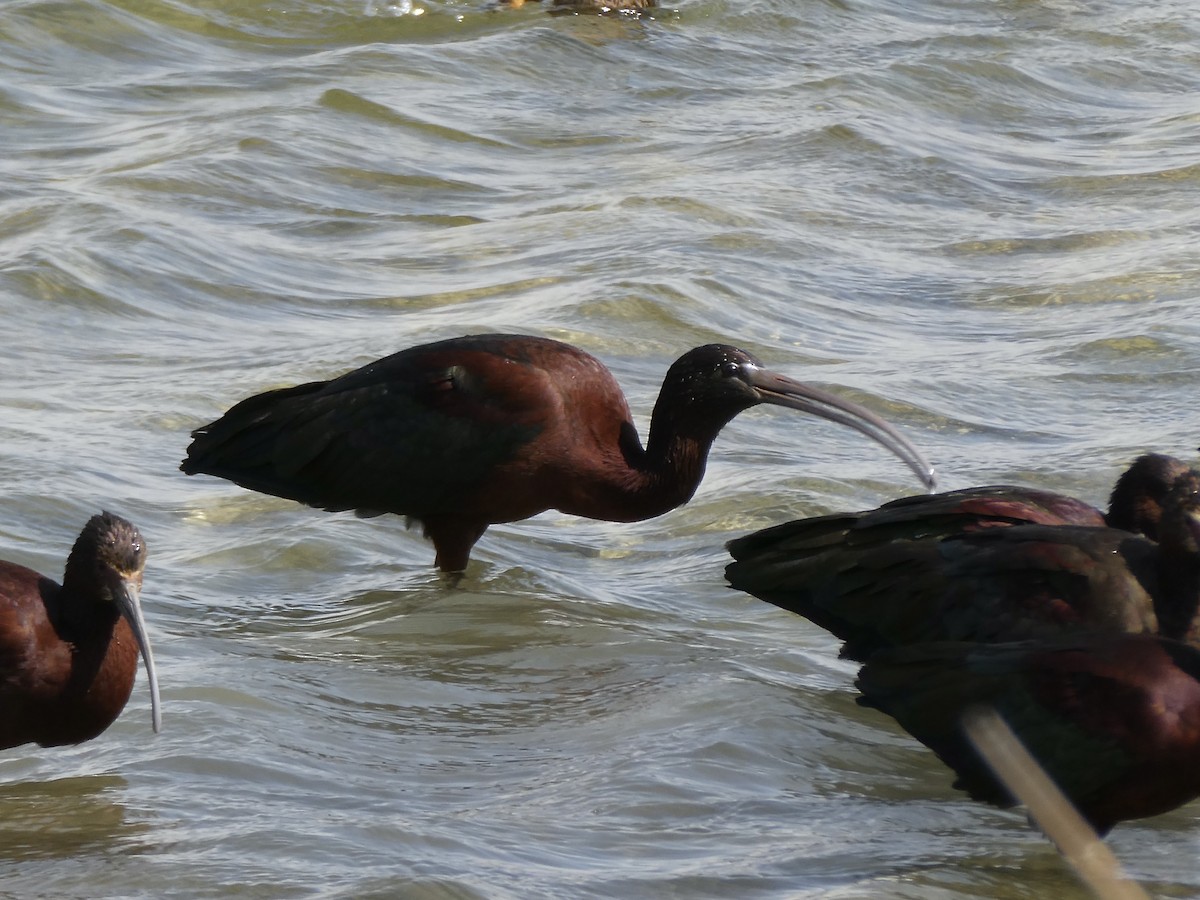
979 219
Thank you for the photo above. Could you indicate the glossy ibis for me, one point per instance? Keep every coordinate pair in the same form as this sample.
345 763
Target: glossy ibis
69 652
1135 504
1114 719
468 432
892 577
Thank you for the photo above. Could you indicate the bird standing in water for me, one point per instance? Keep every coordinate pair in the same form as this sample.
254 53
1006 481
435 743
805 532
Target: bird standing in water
69 652
989 564
472 431
1084 636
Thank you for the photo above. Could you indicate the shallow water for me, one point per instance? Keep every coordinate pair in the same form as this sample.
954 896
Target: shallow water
979 219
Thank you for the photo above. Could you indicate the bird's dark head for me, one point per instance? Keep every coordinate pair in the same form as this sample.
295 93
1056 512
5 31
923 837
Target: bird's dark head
711 384
115 547
714 377
1137 499
108 560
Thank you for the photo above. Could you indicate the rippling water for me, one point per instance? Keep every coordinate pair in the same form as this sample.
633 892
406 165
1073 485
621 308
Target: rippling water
979 218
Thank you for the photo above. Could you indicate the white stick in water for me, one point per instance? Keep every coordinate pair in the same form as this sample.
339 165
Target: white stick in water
1075 839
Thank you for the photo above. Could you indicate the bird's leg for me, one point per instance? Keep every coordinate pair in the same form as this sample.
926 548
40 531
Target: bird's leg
452 539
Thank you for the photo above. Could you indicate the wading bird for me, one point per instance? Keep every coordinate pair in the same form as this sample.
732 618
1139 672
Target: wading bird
1135 505
942 568
69 652
472 431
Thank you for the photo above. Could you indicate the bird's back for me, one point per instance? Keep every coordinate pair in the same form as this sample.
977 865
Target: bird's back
994 584
418 433
35 661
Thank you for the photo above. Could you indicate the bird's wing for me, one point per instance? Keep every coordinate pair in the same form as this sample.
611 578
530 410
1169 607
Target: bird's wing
996 584
405 438
33 661
914 518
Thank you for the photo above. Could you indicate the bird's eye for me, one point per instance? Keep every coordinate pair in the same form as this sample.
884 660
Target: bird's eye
731 369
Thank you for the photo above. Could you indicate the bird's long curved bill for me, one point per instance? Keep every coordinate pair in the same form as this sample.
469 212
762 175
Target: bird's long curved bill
782 391
131 608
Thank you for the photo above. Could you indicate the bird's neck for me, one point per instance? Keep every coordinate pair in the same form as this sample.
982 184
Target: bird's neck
639 483
673 464
674 467
1177 604
82 607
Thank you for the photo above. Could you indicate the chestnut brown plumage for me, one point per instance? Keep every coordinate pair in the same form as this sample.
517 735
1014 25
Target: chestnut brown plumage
472 431
69 652
1114 719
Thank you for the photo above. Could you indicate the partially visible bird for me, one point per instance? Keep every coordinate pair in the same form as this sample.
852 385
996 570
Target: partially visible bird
1114 719
69 652
472 431
1135 505
918 571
